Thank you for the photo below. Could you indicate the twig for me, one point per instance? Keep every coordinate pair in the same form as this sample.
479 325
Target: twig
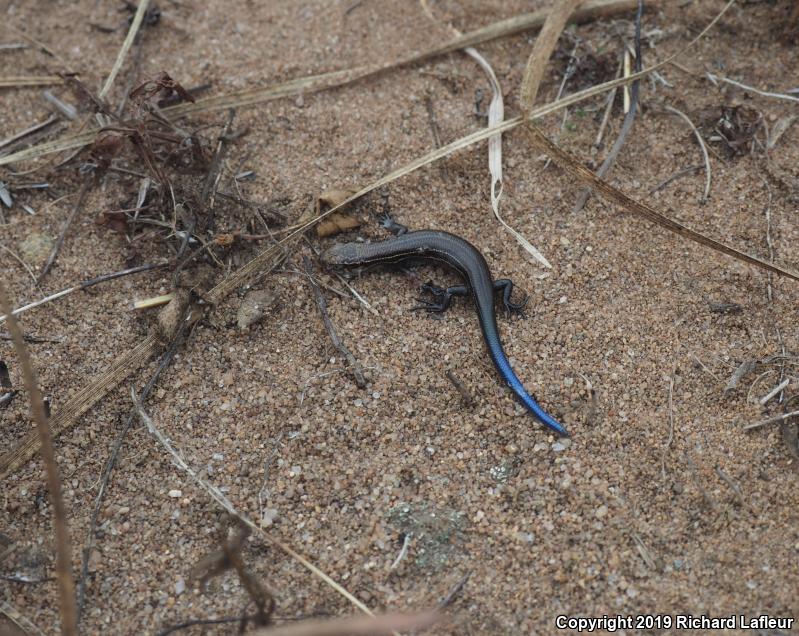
674 177
643 550
731 483
454 592
84 190
459 386
30 339
84 285
774 392
208 193
769 281
202 621
629 118
702 145
16 617
166 359
711 503
714 78
66 585
67 110
28 131
611 98
352 363
771 420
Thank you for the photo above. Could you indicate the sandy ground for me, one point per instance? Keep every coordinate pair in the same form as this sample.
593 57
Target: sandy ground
659 503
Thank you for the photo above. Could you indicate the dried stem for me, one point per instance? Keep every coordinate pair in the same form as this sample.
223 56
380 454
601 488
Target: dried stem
66 585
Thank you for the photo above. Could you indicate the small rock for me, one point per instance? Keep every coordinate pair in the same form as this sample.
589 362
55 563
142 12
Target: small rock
254 306
180 586
601 512
269 517
558 446
175 494
95 556
36 248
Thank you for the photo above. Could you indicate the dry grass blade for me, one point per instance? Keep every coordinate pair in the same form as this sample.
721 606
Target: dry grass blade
542 50
166 359
78 141
39 45
132 31
718 78
250 97
16 617
217 495
30 80
66 585
81 402
631 104
576 169
702 145
13 139
496 115
359 626
68 142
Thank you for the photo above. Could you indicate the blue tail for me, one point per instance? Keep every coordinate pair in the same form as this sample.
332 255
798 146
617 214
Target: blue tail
503 366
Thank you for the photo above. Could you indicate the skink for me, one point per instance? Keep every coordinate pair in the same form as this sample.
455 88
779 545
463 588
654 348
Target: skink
464 258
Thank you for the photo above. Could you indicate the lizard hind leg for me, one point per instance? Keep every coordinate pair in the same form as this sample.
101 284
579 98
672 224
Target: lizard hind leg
505 285
441 297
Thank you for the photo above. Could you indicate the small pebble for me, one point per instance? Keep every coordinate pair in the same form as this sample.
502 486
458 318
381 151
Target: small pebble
175 494
269 517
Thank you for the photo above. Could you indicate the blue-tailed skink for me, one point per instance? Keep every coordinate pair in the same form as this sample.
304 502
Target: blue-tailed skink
463 257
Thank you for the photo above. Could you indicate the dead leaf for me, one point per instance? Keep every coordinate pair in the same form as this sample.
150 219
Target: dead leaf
114 220
225 240
336 223
163 85
333 197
